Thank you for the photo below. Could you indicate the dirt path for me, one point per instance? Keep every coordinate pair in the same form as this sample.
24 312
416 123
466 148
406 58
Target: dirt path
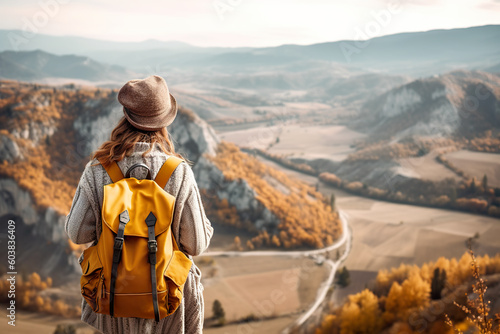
344 240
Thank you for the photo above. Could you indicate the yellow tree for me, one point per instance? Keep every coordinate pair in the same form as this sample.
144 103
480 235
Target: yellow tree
413 293
361 314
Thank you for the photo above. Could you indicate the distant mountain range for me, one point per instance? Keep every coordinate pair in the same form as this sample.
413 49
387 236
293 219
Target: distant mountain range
34 65
416 53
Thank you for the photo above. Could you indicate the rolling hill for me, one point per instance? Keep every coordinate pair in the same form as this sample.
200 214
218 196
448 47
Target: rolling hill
36 65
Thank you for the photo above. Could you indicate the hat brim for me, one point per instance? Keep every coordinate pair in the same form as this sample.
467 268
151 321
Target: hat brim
156 122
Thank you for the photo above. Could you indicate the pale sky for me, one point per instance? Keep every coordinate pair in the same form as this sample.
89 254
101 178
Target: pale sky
243 22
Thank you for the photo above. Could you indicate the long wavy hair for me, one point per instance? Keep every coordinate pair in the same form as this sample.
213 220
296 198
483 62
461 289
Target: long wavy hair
123 138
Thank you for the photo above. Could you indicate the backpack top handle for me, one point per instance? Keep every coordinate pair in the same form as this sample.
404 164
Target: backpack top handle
127 174
113 171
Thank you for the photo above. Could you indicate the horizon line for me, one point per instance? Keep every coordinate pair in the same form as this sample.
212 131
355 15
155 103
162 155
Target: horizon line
268 46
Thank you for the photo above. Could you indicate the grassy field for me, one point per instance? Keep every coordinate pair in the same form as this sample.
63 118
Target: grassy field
478 164
265 287
316 141
427 168
387 234
30 323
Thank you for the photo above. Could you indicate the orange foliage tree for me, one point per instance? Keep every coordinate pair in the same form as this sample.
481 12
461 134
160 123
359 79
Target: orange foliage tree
404 291
29 297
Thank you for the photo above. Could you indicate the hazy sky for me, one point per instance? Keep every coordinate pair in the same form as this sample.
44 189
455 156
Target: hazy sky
243 22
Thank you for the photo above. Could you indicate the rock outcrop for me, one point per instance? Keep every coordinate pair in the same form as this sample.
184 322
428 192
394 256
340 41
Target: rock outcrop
459 103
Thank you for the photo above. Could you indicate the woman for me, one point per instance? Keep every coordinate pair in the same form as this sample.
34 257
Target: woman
141 137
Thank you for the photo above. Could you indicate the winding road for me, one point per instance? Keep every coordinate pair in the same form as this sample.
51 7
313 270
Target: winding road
346 238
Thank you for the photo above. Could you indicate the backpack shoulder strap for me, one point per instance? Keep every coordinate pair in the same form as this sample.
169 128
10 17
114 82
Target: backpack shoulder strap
166 170
113 171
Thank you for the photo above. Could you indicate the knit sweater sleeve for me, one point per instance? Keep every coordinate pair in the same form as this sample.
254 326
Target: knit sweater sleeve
80 224
190 223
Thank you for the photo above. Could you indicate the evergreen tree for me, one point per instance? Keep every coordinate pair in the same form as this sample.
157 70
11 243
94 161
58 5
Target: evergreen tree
218 312
332 201
485 182
453 195
472 187
343 277
438 283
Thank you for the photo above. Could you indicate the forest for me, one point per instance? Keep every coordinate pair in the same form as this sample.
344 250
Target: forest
305 215
411 299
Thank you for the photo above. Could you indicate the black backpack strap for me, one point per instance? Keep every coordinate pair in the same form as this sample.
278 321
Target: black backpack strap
153 247
117 254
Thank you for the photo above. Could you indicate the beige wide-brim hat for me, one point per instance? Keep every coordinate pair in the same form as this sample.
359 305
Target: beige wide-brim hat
147 103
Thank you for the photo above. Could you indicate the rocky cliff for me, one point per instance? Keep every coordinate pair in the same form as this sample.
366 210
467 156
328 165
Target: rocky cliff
460 103
46 137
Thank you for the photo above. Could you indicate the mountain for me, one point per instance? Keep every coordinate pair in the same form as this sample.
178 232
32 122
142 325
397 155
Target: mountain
460 103
36 65
415 53
493 69
419 53
20 40
47 135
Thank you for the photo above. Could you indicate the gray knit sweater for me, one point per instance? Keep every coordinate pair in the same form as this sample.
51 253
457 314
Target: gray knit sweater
190 227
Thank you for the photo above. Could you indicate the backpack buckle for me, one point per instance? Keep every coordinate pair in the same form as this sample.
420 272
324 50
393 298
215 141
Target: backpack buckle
152 246
118 243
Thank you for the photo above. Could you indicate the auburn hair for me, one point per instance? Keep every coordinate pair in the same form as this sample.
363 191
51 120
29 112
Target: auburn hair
123 139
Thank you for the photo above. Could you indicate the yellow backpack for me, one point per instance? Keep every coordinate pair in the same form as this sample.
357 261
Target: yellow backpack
136 268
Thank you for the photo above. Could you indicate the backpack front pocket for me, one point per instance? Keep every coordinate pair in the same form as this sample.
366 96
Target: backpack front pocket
92 277
175 276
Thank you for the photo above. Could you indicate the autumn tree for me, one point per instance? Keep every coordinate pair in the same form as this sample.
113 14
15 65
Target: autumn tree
361 314
413 293
477 308
237 243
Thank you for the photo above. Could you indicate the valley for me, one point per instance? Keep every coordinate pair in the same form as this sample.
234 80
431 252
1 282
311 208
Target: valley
305 163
